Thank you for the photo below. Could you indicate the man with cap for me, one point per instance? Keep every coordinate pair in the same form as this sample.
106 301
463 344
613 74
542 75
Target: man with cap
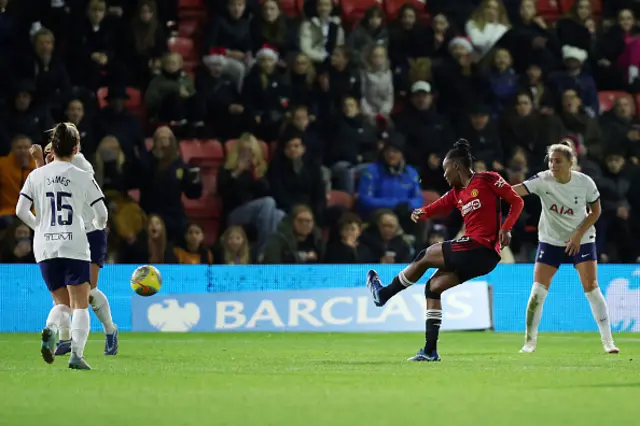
115 120
390 183
425 130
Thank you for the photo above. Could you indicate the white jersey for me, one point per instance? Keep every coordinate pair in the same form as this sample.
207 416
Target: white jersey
61 192
564 206
87 215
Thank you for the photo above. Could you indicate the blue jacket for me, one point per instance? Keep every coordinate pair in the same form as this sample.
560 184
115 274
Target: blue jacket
380 188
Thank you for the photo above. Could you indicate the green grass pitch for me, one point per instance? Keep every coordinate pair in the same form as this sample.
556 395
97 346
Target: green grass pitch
323 379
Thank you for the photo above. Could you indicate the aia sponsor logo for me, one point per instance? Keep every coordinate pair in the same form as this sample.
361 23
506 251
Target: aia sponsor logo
568 211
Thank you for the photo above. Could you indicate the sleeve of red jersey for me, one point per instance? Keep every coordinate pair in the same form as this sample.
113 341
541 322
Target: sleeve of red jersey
442 205
501 188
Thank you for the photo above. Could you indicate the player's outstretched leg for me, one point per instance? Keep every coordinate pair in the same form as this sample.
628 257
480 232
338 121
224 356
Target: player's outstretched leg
80 322
64 337
100 306
534 314
437 284
57 315
589 278
432 257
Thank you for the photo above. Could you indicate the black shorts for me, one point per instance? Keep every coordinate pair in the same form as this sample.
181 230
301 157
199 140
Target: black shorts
468 259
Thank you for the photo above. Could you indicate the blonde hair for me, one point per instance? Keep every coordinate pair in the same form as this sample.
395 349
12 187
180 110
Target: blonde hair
565 148
99 163
244 257
477 17
259 163
369 58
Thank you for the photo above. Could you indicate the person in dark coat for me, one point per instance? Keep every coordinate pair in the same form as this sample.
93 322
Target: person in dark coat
295 179
25 115
230 32
483 136
163 177
385 241
266 95
92 44
345 248
116 120
297 239
46 70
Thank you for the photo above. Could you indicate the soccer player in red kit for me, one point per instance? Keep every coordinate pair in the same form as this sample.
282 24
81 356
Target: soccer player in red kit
478 197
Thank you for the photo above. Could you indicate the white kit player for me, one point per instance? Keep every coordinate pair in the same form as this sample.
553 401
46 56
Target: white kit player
60 193
570 207
98 249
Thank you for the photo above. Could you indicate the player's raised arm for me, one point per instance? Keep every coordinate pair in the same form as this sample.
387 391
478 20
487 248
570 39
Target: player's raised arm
442 205
23 208
521 190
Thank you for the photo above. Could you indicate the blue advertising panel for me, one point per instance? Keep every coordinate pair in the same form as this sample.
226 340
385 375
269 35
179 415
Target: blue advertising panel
25 301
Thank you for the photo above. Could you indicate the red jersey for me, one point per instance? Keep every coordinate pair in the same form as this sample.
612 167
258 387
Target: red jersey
480 206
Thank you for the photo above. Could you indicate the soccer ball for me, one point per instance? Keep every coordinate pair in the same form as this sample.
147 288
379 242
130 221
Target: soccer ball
146 280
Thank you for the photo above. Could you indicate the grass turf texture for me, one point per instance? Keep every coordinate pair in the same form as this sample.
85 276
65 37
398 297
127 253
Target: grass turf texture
323 379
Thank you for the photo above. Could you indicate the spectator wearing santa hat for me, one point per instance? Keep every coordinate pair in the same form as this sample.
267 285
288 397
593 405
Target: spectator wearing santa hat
266 94
231 31
322 33
220 95
575 77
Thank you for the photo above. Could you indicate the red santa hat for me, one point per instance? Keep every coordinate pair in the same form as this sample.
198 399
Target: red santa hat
216 56
461 41
268 51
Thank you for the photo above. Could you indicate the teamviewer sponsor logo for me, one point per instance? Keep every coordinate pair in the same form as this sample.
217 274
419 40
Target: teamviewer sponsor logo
58 236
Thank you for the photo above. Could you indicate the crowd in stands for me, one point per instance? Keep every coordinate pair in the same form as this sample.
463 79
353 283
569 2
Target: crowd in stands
246 131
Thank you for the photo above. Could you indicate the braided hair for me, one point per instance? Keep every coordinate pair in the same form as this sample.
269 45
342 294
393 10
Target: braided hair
461 151
64 139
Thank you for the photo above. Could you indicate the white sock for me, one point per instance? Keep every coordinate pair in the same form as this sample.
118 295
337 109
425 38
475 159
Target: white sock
80 324
57 316
100 306
65 329
600 313
534 311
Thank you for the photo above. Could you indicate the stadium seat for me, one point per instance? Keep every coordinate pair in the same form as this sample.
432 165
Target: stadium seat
608 98
183 46
392 7
429 197
565 6
208 153
211 228
134 104
340 198
290 7
548 9
190 4
206 207
188 27
265 148
353 10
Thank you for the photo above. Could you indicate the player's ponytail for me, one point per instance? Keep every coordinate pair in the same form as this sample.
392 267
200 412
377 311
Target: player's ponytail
64 139
461 151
